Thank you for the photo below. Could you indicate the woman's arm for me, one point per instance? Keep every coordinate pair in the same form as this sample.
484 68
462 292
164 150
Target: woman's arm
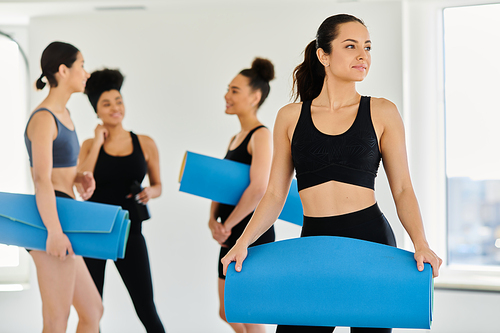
42 130
219 233
90 150
153 160
274 198
394 157
261 149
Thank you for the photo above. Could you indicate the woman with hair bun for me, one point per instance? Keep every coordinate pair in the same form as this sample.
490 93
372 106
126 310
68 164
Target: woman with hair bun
335 139
52 144
120 160
252 146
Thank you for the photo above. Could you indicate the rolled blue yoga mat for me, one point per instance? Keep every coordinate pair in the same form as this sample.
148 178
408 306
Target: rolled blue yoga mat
329 281
225 181
95 230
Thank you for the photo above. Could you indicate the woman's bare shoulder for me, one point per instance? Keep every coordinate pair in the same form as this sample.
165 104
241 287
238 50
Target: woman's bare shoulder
145 139
289 112
262 132
87 143
146 142
383 106
41 114
385 114
41 122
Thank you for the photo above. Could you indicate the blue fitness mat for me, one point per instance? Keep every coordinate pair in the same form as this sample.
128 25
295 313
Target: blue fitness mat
330 281
225 181
95 230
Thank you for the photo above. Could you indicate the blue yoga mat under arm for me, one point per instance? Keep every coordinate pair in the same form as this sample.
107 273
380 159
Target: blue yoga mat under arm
95 230
329 281
225 181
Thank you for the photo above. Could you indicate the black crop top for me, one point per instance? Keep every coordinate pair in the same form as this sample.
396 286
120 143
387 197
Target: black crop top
352 157
238 154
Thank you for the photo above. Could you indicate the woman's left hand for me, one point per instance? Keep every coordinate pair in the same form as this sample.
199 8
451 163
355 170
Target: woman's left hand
427 255
144 196
85 185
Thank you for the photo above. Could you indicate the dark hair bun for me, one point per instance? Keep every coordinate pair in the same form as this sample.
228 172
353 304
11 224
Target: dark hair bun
104 80
101 81
264 68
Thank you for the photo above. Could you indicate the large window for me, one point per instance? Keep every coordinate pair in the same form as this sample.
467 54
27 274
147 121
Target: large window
472 111
14 262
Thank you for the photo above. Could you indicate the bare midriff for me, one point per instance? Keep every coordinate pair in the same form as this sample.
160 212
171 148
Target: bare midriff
63 179
334 198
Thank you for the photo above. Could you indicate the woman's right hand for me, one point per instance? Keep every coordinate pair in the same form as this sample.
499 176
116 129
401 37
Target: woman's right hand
101 133
58 245
238 254
219 233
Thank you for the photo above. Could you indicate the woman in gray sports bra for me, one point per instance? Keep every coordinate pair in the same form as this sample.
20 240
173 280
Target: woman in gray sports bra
53 150
334 140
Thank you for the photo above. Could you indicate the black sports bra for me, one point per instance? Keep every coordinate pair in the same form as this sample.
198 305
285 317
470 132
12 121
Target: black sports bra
240 153
352 157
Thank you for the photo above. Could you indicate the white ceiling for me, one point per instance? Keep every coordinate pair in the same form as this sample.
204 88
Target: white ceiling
19 11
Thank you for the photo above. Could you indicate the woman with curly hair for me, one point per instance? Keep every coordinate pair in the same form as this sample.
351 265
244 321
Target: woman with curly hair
120 159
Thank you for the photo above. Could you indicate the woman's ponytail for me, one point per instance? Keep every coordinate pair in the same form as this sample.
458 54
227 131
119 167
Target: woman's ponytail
308 77
54 55
39 83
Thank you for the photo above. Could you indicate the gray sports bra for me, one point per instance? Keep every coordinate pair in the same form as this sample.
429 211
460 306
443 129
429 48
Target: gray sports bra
65 147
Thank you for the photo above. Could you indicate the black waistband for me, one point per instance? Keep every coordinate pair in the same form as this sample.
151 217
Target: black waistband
339 222
62 194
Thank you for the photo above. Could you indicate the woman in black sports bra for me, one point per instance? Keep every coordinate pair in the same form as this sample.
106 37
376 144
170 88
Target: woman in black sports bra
253 146
335 140
120 160
52 144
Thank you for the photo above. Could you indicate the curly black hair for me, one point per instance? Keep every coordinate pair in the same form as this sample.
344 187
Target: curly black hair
101 81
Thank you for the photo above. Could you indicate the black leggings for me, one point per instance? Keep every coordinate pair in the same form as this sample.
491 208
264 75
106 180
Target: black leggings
367 224
136 274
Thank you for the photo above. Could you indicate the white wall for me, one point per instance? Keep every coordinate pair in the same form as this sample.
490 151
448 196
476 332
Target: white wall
178 60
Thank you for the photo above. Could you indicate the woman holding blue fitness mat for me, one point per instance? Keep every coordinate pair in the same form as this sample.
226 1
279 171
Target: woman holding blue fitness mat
120 160
334 140
253 146
53 148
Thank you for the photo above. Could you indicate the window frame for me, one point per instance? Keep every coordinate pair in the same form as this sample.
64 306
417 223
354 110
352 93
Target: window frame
423 75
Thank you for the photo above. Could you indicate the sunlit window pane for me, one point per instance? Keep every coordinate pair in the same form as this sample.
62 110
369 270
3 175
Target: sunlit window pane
13 167
472 134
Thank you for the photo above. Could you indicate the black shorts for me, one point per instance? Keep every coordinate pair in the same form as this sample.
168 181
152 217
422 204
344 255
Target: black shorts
62 194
